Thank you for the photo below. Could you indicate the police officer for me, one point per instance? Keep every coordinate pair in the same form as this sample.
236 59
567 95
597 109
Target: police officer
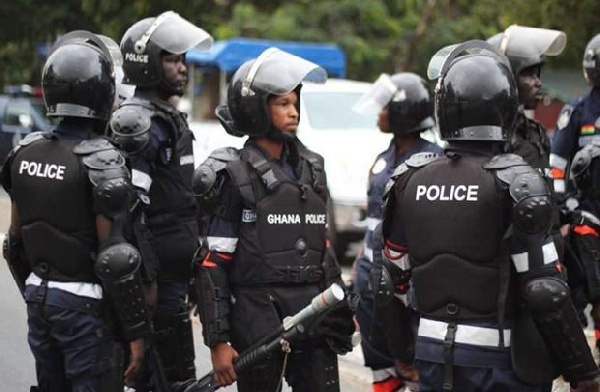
585 230
579 121
70 194
159 143
405 110
267 250
526 49
484 210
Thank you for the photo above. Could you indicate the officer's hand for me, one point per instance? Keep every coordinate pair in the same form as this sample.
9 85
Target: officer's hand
222 356
136 354
586 386
407 371
564 230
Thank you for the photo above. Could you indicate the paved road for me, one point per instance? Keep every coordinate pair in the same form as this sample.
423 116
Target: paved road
16 362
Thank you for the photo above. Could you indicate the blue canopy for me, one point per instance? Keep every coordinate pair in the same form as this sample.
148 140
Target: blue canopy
229 55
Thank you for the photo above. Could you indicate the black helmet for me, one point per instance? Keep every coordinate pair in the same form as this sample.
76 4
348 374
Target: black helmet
274 72
591 61
408 99
585 170
527 47
143 43
78 79
476 94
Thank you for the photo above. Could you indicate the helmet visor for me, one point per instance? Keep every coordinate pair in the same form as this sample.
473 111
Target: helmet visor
106 45
278 72
113 50
440 62
522 41
377 97
172 33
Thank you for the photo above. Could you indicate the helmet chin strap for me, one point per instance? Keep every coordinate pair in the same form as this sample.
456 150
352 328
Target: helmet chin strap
275 134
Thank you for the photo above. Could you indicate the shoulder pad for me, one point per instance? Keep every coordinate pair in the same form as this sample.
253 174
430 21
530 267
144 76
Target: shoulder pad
32 137
137 101
504 161
532 202
205 175
421 159
225 154
105 159
401 169
90 146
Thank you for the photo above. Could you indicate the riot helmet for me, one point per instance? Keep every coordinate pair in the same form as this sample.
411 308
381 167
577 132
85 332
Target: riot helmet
476 94
408 99
591 61
78 79
585 170
527 47
144 43
274 72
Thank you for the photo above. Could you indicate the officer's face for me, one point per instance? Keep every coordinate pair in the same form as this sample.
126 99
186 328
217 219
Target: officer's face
174 69
383 120
284 114
529 85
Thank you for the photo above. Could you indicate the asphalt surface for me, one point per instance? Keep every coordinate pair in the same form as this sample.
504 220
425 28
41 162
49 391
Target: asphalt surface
17 370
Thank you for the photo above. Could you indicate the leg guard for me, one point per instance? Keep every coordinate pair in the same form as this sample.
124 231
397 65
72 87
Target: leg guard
175 345
588 250
554 315
314 370
262 377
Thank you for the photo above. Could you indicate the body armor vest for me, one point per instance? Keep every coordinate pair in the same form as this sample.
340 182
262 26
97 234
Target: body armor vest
531 142
454 218
283 229
53 196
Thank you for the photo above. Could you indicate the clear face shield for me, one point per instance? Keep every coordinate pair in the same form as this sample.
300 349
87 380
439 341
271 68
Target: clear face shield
174 34
441 61
520 41
380 94
277 72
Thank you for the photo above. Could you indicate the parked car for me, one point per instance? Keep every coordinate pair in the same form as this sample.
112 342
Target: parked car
348 141
20 115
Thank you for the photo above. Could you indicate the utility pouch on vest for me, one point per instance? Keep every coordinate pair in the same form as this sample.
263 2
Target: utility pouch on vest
532 362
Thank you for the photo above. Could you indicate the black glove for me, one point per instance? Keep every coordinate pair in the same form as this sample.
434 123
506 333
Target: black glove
336 327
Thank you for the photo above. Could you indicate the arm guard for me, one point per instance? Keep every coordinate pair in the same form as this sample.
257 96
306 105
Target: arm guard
15 256
117 266
214 298
548 299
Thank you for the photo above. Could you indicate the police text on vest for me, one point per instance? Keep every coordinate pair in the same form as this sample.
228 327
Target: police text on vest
43 170
296 219
448 193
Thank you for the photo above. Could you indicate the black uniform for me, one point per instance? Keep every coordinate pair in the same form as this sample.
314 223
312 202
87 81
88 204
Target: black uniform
159 143
268 252
531 142
263 199
495 310
71 195
165 226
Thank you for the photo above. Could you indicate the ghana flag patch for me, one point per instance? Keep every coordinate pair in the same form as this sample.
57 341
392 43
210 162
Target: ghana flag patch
588 129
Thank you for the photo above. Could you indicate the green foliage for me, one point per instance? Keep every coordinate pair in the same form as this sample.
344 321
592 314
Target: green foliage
377 35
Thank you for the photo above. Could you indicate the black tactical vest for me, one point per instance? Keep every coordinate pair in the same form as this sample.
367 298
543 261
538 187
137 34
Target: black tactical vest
455 216
171 215
531 142
283 224
52 192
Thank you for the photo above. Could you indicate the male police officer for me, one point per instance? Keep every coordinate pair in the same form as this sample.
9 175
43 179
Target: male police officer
579 121
585 231
483 210
70 193
159 143
268 253
405 109
526 49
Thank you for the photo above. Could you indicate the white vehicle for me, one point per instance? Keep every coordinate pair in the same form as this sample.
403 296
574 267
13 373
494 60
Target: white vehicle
348 141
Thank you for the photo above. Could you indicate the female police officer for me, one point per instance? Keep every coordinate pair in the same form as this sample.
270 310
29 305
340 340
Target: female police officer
268 252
